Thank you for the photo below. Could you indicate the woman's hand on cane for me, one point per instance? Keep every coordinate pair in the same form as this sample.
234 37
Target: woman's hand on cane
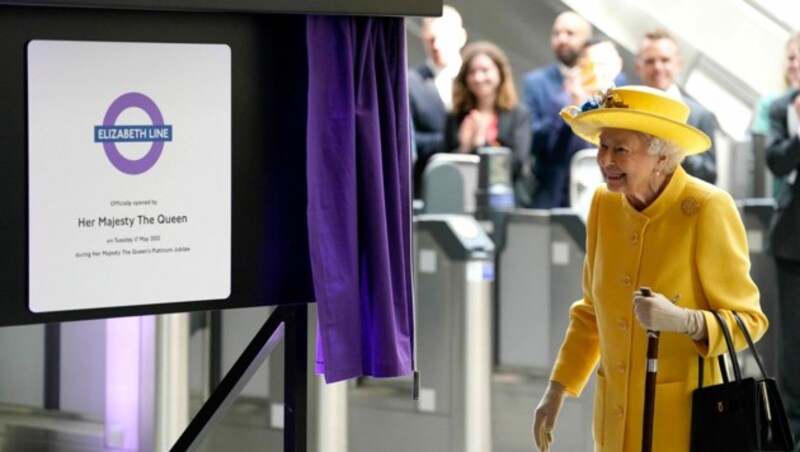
546 413
659 313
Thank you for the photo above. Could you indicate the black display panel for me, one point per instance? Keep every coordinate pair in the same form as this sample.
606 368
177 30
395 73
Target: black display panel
350 7
269 260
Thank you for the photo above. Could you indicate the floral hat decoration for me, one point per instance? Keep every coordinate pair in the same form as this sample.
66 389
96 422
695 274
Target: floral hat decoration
639 108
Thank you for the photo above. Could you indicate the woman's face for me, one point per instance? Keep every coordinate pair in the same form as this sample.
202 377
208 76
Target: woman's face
626 166
483 77
793 65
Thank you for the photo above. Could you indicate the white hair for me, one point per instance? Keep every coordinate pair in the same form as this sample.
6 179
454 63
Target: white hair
673 153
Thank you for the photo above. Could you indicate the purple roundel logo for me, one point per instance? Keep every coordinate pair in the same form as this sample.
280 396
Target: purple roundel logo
111 133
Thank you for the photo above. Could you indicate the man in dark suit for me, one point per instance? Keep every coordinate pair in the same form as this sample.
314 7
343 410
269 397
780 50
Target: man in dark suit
430 85
599 67
783 159
545 96
658 63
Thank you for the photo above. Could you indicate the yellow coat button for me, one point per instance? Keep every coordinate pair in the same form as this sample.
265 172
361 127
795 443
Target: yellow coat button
622 324
625 281
621 367
618 412
634 237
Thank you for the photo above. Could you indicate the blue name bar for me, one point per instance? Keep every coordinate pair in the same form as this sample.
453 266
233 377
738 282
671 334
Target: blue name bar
132 133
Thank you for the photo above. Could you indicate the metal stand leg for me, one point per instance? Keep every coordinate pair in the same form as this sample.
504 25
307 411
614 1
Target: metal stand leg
52 366
295 380
292 318
215 352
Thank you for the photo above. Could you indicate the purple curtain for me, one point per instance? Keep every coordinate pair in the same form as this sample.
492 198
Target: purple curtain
359 199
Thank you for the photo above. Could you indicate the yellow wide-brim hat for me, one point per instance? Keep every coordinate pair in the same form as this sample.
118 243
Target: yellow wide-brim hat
639 108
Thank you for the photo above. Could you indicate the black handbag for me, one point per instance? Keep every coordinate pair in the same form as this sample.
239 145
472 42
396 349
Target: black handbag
745 414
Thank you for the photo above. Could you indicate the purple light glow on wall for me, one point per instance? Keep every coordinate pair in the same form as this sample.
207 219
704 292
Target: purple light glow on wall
123 376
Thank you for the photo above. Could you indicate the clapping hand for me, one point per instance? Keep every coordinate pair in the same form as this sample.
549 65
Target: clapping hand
472 133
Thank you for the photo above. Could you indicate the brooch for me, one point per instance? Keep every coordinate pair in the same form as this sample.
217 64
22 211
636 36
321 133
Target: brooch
604 99
689 206
613 100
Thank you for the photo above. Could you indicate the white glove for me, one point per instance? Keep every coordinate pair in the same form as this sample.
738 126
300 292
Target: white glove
544 419
658 313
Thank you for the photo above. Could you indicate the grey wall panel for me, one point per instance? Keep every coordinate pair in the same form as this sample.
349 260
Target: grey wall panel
525 287
83 368
567 280
437 328
238 328
22 365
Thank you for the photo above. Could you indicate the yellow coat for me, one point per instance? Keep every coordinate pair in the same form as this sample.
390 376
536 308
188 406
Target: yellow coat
690 242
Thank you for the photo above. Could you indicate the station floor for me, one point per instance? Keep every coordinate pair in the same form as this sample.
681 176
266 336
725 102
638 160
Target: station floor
244 426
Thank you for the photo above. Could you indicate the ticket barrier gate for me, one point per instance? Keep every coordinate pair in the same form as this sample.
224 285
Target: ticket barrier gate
455 273
540 274
756 215
449 183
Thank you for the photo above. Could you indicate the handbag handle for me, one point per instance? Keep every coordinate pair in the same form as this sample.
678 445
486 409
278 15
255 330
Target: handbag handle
750 344
731 352
722 368
737 373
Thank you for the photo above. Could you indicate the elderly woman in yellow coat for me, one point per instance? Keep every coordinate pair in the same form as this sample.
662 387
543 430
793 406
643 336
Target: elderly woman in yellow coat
650 225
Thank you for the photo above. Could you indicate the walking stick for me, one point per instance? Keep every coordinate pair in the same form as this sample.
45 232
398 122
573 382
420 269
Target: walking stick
649 384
